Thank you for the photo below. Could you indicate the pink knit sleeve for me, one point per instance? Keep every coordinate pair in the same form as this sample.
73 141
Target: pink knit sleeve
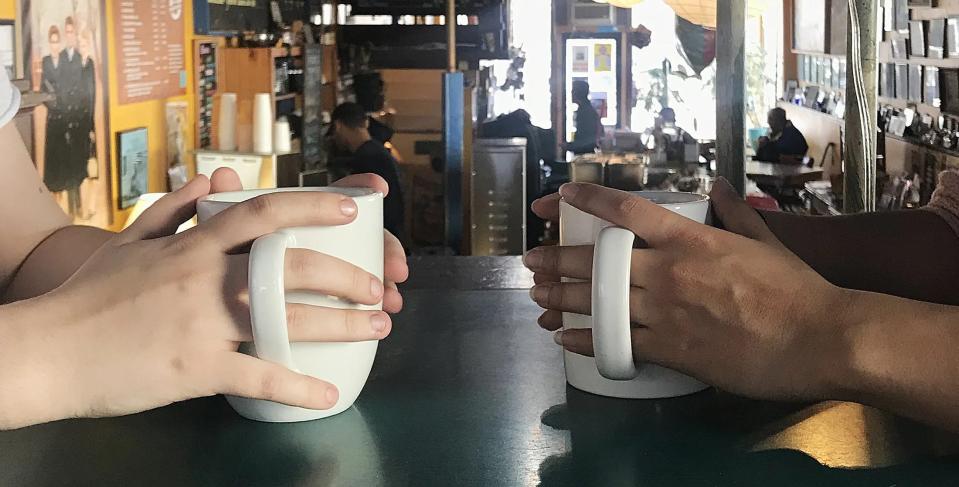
945 201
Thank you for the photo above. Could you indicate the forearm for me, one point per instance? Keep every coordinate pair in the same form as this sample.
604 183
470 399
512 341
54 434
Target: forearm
903 358
53 261
909 254
33 388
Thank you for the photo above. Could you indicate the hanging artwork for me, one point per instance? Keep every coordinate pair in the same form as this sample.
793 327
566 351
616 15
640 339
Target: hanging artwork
178 128
132 150
603 58
64 47
580 59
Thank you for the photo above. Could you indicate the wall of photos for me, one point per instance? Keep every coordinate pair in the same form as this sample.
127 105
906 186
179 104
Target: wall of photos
149 114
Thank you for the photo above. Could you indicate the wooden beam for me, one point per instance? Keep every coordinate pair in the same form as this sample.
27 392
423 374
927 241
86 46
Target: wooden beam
731 92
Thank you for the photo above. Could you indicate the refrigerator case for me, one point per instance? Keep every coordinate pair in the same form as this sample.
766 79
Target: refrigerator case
498 197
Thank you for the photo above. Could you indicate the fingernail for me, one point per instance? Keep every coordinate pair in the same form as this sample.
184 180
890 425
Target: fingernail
568 191
348 207
534 258
376 287
539 293
378 323
558 338
331 396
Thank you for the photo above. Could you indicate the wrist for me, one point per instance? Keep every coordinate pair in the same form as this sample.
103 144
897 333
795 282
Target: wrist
858 321
33 385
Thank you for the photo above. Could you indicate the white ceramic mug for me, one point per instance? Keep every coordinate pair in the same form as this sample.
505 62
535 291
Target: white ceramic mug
345 365
613 372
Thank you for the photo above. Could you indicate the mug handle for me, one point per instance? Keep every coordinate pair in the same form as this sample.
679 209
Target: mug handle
271 336
612 337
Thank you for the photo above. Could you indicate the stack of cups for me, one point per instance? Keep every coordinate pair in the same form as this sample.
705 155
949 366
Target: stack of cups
263 124
227 124
282 139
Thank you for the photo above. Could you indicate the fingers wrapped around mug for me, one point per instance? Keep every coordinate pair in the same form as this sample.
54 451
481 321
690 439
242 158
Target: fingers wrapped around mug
552 264
576 297
309 271
315 272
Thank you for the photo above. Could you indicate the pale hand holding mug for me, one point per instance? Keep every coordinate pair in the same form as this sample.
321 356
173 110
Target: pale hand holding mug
613 372
345 365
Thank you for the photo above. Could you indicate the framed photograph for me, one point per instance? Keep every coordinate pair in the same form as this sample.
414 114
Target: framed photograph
883 74
949 91
952 37
936 39
887 15
931 87
842 74
8 48
899 48
133 154
917 39
915 83
837 73
63 53
902 82
901 16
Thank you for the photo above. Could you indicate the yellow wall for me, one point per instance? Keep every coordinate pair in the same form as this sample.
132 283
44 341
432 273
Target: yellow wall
151 115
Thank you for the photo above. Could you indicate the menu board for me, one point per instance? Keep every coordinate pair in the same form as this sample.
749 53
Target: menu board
151 51
230 16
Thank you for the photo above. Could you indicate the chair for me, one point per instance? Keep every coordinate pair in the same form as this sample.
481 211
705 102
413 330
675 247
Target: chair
829 150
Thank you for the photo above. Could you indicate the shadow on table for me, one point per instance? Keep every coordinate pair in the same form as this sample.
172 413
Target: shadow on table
713 438
195 443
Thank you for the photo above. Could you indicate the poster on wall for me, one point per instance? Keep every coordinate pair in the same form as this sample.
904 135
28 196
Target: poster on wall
580 59
151 49
64 47
603 58
132 148
205 60
177 127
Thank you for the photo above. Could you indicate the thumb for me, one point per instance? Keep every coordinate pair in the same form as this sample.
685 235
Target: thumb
166 215
737 216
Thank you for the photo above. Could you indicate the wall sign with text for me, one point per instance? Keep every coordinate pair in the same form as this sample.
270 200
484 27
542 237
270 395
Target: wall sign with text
151 49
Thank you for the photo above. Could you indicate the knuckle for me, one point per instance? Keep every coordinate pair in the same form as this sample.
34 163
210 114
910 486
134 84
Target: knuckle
261 207
269 385
349 323
293 316
300 262
628 206
359 279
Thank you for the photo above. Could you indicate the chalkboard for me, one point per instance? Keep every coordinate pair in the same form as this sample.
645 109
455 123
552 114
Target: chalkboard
418 7
231 16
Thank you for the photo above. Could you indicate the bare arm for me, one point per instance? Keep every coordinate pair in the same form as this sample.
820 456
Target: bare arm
901 357
28 212
911 254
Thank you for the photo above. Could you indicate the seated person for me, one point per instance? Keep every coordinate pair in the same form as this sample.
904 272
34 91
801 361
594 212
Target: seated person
589 127
670 137
367 155
785 144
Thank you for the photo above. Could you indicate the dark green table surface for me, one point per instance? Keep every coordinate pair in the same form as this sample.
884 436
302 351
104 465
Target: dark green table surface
468 391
